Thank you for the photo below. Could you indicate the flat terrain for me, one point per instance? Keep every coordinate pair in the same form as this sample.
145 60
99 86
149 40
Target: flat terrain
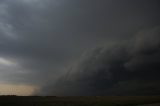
80 101
154 104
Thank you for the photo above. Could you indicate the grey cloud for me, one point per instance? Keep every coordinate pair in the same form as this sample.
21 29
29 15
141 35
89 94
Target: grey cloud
46 37
130 67
135 87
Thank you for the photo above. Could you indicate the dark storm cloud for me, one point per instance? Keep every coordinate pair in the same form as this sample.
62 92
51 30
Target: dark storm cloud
126 68
45 37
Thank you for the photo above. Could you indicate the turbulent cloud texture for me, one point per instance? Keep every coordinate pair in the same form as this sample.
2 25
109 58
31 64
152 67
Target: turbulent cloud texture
124 68
40 40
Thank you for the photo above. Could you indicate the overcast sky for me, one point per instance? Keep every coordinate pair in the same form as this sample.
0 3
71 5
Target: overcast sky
92 46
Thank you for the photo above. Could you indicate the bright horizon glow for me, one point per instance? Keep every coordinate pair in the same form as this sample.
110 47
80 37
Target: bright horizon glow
20 90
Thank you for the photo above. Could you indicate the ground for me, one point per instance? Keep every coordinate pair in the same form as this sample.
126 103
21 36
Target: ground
80 101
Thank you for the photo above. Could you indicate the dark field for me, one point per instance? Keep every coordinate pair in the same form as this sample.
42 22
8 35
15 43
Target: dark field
78 101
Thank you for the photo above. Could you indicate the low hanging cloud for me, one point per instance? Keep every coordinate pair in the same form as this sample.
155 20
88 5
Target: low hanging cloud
123 68
40 39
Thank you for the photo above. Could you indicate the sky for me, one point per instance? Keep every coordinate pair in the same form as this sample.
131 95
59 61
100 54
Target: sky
79 47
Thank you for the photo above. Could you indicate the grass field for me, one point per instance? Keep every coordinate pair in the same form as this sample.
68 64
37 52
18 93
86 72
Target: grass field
78 101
